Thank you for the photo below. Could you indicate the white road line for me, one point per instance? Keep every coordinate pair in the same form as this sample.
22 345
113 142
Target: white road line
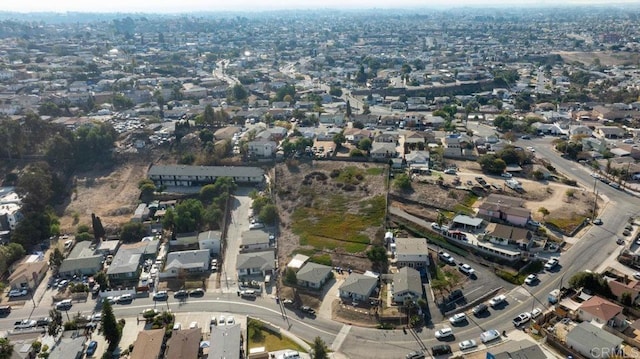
337 343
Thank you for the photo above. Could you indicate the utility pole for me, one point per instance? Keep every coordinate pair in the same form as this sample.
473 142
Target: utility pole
595 198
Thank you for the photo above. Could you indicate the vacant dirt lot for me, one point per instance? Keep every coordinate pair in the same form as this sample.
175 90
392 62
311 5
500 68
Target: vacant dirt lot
330 210
606 58
111 195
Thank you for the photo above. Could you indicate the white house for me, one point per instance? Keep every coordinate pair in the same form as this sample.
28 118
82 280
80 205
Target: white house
262 148
383 150
210 240
255 263
190 262
407 285
358 287
411 252
254 240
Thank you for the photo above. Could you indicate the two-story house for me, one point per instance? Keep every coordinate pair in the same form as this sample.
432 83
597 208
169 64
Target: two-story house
412 253
406 285
504 208
262 148
191 176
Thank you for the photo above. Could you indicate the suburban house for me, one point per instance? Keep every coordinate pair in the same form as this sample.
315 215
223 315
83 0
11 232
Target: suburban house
184 240
186 262
417 160
228 342
254 240
125 267
454 145
197 176
184 343
387 137
406 285
411 252
580 130
332 119
600 311
355 135
210 240
255 263
621 286
586 336
467 222
69 348
313 275
610 132
504 208
148 344
83 260
380 150
10 205
29 273
262 148
358 287
507 235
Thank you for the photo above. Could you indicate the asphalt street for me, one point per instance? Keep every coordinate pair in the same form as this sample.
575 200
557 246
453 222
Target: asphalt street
597 245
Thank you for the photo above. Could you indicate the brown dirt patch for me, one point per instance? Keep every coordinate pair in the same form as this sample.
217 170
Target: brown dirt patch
112 195
606 58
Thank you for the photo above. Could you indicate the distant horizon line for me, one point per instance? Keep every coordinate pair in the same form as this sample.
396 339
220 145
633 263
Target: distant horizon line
502 6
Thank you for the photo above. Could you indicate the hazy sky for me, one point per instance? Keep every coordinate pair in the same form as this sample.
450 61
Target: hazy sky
170 6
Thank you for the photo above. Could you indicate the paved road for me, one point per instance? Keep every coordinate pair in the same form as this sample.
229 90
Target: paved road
587 253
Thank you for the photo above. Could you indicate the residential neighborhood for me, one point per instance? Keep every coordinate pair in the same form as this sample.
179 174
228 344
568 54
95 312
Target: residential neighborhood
455 183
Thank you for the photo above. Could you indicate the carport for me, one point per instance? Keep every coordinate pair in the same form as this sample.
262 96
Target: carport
467 222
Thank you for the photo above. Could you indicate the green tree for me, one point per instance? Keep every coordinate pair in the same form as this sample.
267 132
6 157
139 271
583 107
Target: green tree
319 349
98 229
378 256
335 91
492 164
102 279
543 211
132 232
402 182
290 276
147 189
339 139
206 136
349 111
6 348
365 144
268 214
56 257
592 282
84 236
188 215
237 93
110 328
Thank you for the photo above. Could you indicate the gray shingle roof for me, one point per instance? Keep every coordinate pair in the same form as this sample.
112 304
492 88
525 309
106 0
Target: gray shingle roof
592 336
313 272
213 171
187 259
359 284
263 260
407 279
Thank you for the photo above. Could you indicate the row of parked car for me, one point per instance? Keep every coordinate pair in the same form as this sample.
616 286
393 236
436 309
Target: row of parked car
443 349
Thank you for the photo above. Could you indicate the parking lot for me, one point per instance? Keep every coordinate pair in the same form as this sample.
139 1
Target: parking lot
472 287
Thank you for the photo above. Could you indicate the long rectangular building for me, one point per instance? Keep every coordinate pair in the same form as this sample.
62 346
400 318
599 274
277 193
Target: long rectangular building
196 176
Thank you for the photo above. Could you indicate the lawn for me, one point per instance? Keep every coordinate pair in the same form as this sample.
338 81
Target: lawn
271 341
567 224
330 224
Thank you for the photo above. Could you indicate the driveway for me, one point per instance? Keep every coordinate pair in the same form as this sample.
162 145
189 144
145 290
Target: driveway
240 207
